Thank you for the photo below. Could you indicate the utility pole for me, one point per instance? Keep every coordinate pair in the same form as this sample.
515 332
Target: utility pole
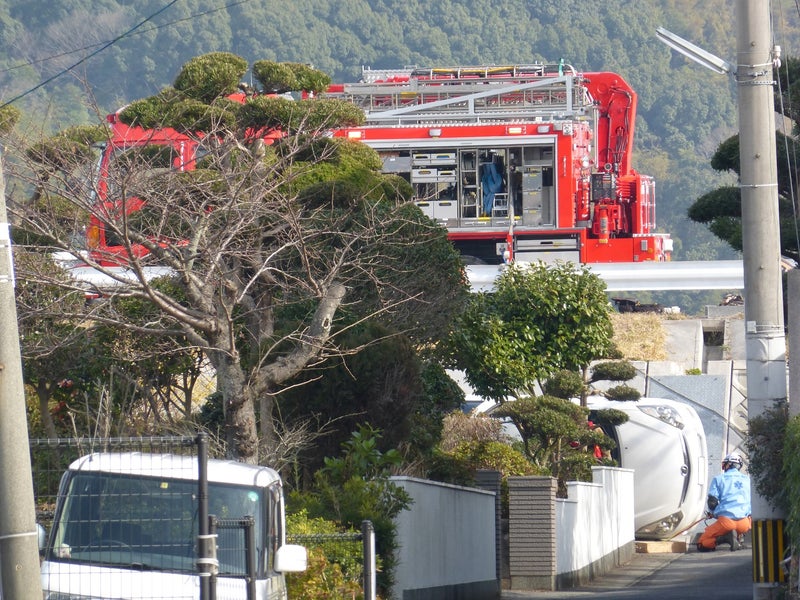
765 340
765 343
19 548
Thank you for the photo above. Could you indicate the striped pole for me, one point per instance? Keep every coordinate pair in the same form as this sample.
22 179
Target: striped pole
769 544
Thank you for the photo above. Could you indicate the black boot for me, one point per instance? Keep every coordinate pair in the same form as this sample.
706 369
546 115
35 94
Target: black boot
704 549
728 538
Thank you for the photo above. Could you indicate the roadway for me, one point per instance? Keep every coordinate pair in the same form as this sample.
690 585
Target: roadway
720 575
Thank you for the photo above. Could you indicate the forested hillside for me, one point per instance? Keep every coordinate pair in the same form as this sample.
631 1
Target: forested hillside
101 54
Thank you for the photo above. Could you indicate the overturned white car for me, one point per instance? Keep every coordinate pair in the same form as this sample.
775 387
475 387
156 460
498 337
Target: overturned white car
664 443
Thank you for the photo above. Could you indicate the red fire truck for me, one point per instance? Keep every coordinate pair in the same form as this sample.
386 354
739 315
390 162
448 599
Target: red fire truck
530 162
525 162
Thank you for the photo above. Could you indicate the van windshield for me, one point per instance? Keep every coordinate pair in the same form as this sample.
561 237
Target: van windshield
150 523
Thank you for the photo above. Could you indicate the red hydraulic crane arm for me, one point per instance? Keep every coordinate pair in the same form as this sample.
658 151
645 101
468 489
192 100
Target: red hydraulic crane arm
616 105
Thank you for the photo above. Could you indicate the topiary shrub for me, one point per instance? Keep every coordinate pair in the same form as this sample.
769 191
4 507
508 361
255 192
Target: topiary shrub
564 384
211 76
624 393
275 77
613 371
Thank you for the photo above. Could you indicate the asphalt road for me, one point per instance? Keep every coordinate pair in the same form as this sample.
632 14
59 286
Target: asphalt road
722 575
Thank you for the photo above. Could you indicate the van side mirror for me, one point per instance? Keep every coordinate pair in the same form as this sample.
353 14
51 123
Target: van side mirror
41 533
290 558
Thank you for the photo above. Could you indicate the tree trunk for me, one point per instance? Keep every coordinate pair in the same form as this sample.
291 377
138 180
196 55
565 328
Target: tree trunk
238 405
44 393
268 435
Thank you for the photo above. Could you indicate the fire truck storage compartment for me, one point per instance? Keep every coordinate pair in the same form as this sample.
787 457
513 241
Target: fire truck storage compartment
564 248
537 198
433 176
459 185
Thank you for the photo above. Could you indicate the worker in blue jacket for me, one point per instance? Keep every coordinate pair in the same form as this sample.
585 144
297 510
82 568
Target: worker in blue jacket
729 504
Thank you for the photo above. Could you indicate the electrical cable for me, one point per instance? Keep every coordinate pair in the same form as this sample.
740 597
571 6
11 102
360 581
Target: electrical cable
791 157
85 58
154 28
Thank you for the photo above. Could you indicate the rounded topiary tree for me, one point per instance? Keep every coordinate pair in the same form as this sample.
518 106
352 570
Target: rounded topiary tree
211 76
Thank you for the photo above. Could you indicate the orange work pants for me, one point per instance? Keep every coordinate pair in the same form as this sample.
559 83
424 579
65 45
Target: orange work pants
722 526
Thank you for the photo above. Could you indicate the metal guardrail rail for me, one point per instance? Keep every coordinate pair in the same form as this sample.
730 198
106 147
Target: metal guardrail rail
673 275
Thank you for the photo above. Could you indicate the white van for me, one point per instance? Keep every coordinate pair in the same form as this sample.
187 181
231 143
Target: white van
664 443
126 527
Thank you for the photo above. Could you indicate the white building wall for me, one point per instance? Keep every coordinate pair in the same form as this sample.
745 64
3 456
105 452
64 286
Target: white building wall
595 520
447 542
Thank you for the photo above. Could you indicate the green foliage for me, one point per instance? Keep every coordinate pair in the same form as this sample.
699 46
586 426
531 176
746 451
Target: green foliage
335 568
608 417
767 443
170 108
190 115
267 239
720 209
623 392
355 487
539 320
789 496
274 77
440 396
278 78
497 456
361 457
9 117
385 384
564 384
150 112
683 112
459 465
211 76
622 370
556 436
68 147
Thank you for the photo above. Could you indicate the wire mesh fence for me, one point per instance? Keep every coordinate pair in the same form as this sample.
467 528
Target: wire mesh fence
130 518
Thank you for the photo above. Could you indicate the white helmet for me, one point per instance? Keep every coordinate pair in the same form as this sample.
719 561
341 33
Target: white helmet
733 460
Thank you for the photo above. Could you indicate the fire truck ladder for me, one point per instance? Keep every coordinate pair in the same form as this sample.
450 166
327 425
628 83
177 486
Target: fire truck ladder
470 100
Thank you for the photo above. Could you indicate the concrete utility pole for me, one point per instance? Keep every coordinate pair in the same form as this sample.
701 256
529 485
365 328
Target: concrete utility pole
764 327
19 548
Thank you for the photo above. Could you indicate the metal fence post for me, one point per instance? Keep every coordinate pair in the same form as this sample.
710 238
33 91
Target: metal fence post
206 559
368 539
213 523
249 524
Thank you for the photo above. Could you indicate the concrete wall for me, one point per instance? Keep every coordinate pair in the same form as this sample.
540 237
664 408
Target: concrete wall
595 525
447 542
560 543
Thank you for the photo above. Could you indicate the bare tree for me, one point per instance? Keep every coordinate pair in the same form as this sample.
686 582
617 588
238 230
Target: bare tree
269 250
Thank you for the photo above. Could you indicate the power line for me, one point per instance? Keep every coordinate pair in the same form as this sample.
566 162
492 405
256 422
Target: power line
85 58
154 28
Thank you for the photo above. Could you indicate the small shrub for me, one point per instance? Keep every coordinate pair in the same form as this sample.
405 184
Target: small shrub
766 454
459 427
335 568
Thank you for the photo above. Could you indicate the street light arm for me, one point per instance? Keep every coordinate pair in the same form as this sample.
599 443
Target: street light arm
695 53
